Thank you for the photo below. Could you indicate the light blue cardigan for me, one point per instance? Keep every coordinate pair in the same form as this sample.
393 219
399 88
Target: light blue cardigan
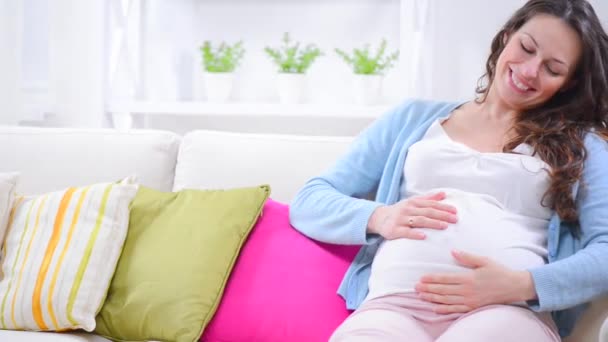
333 208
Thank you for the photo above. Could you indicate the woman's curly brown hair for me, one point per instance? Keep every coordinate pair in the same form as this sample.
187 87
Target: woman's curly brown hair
556 129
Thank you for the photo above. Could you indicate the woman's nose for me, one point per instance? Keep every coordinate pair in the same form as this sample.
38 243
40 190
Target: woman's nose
531 68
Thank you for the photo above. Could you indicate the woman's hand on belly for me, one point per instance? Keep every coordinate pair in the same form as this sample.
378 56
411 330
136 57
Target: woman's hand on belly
487 283
401 219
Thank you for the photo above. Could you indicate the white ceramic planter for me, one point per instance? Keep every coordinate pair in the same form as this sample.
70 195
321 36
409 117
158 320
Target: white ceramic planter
218 86
291 87
367 89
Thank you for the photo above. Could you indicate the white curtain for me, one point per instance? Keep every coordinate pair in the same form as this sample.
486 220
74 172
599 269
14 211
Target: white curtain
10 62
52 62
24 60
77 62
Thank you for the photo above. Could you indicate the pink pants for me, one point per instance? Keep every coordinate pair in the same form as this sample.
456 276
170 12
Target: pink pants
406 318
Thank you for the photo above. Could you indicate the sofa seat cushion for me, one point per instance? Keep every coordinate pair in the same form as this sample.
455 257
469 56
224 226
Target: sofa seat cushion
32 336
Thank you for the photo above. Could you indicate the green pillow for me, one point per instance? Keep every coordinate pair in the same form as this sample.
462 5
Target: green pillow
177 258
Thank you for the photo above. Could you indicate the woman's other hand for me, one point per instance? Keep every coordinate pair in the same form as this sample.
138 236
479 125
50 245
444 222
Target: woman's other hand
402 219
487 283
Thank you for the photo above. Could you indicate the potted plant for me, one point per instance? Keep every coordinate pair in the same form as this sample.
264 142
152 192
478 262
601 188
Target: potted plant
219 65
369 71
292 62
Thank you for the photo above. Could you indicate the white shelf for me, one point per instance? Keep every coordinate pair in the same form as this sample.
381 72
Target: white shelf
248 109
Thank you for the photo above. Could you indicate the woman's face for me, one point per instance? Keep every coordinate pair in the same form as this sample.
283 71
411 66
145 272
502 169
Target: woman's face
538 60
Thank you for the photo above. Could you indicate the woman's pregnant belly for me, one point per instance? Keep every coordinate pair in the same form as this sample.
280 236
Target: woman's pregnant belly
484 227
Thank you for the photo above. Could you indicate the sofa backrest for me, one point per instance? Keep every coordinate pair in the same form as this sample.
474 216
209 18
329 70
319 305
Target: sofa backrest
215 159
50 159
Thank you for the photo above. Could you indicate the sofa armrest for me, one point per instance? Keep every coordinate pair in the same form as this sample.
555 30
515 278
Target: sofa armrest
604 331
593 325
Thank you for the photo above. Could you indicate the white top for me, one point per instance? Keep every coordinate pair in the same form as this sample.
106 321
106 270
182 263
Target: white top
498 198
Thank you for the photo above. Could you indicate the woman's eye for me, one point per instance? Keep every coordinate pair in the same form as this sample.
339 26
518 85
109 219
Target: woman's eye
526 49
553 73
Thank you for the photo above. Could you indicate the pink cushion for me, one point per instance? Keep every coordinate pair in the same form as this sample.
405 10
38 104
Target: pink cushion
283 287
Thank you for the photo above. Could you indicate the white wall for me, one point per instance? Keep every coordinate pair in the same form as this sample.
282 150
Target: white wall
173 70
443 52
601 8
456 41
457 45
173 63
444 46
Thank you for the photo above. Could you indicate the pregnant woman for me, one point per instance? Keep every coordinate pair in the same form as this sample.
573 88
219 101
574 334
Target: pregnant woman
490 217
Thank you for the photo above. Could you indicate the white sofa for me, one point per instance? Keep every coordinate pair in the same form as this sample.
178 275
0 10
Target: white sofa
50 159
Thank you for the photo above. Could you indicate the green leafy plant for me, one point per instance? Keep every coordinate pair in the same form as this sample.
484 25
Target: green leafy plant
290 58
364 63
223 59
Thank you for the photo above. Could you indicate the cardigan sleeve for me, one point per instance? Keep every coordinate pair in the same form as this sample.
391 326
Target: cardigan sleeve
332 207
579 278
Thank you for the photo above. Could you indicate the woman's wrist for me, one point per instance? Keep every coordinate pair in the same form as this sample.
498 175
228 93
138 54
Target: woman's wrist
526 289
376 220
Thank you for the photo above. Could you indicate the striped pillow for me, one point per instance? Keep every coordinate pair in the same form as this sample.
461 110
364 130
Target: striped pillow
59 256
8 182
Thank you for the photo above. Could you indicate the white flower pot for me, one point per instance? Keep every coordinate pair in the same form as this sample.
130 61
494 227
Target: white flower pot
218 86
367 89
291 87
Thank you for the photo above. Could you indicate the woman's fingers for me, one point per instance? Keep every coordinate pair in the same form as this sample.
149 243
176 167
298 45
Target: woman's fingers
430 213
417 212
412 234
435 214
424 222
437 196
424 203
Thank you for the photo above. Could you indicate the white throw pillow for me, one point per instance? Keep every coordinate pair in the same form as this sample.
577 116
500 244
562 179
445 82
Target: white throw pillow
8 183
60 253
